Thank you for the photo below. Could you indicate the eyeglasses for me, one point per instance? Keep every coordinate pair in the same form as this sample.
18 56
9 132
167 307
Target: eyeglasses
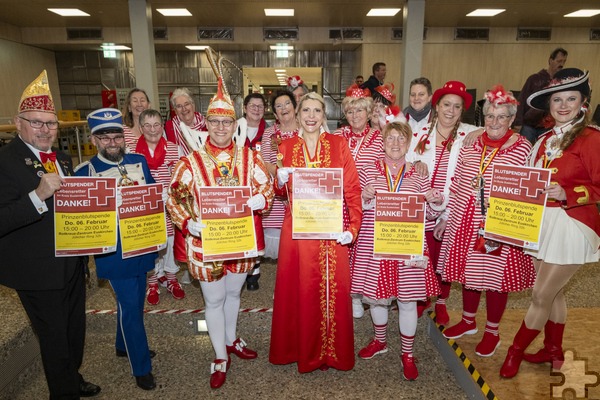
150 126
501 118
215 122
182 106
255 107
38 124
393 138
106 139
281 106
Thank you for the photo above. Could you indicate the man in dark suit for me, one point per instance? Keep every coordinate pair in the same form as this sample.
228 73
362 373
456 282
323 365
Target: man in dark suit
379 72
51 289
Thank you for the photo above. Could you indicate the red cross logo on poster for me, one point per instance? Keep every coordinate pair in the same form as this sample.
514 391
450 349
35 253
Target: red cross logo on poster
101 194
412 207
238 200
153 198
329 182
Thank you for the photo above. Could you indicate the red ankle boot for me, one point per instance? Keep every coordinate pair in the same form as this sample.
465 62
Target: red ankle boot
552 351
522 339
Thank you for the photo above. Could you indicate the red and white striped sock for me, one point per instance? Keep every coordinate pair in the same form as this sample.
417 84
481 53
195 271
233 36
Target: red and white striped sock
153 280
407 343
171 277
468 317
380 333
492 328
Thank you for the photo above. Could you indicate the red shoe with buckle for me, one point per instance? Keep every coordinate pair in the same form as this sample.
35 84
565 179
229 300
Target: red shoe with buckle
372 349
218 372
152 295
460 329
239 349
409 367
175 289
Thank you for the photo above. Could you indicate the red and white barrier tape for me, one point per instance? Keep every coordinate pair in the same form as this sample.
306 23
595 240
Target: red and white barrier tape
176 312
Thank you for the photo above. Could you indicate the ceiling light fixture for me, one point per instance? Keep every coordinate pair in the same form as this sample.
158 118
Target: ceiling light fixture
383 12
111 46
280 70
281 47
279 12
485 12
583 13
191 47
174 12
69 12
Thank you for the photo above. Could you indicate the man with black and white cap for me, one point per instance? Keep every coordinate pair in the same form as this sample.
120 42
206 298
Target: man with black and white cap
127 276
51 289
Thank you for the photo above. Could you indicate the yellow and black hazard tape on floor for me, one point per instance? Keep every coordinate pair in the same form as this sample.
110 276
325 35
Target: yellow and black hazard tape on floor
467 376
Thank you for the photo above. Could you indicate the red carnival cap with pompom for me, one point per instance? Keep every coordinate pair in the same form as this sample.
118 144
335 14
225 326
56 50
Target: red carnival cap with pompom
294 81
220 105
37 96
386 92
357 92
453 87
499 96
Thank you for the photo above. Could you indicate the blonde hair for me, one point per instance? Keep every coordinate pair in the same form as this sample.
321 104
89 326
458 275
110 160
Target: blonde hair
358 102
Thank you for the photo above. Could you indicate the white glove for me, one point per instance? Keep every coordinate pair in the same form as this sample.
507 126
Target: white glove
283 175
165 195
195 227
119 197
256 202
344 238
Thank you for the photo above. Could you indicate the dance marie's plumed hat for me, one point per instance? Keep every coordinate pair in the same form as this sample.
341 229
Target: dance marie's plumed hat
37 96
566 79
220 105
105 120
453 87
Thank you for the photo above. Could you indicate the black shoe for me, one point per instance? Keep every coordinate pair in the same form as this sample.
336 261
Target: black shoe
252 282
146 382
87 389
123 353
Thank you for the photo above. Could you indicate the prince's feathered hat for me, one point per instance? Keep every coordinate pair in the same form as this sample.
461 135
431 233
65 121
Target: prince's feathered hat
37 96
220 105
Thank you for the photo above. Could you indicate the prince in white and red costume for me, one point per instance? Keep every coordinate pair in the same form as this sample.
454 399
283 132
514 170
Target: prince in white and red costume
220 162
570 235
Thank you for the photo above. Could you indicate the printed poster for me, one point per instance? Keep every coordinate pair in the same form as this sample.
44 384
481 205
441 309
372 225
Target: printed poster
85 216
229 232
517 205
317 206
399 232
142 222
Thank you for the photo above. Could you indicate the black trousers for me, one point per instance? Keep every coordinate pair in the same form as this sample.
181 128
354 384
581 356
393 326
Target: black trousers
58 320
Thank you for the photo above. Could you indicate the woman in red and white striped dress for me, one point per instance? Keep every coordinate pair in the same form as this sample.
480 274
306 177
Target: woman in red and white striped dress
366 146
379 282
283 105
161 156
434 151
466 257
137 101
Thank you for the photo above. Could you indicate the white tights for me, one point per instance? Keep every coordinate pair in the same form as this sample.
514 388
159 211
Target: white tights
407 316
222 300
